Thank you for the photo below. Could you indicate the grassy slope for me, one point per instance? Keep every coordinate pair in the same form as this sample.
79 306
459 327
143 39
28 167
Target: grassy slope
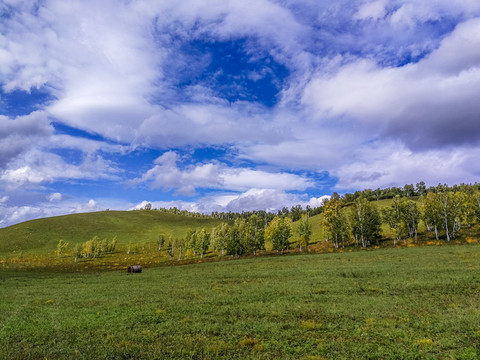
42 235
409 303
143 227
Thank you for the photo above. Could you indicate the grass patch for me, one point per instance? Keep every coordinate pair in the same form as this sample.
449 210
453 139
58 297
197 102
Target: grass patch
408 303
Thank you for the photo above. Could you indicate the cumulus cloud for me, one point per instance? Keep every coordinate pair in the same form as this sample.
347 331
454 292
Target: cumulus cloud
429 104
373 93
12 214
107 62
19 135
251 200
371 10
396 165
55 197
47 167
166 174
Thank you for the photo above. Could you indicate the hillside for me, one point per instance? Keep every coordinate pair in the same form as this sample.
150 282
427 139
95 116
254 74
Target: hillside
141 226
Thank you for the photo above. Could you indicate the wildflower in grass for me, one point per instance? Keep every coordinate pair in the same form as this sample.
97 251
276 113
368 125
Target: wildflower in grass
308 324
424 342
247 342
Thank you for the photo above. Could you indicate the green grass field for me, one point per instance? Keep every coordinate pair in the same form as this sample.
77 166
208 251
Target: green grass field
141 227
406 303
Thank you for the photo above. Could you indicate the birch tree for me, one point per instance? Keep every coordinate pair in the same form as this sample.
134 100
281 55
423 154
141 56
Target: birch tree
365 221
171 246
220 236
410 216
278 232
393 217
203 239
451 206
334 221
432 213
254 234
234 240
304 232
61 247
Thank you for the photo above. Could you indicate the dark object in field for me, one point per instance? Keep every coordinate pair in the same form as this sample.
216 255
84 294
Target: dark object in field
135 269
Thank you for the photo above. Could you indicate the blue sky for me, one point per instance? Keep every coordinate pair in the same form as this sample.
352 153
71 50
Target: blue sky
232 105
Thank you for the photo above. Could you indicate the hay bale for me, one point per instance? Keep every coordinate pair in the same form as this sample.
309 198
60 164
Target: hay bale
135 269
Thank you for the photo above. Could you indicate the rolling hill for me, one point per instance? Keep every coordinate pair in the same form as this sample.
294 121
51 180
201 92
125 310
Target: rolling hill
140 226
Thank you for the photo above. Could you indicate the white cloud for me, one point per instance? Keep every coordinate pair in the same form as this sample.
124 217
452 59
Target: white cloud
55 197
167 175
316 202
13 214
250 200
114 68
44 167
21 134
262 199
395 165
421 104
371 10
409 14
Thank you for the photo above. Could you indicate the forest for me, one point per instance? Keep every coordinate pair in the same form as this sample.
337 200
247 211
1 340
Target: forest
349 220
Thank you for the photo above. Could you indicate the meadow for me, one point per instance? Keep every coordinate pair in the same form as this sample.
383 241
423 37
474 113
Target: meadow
396 303
142 227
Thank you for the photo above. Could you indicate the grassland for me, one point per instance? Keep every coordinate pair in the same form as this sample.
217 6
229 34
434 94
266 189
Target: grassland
140 227
408 303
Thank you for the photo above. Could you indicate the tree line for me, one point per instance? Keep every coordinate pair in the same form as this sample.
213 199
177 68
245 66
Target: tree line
295 212
443 212
351 219
240 237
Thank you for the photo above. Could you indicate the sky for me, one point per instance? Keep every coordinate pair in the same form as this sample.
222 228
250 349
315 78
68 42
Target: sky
232 105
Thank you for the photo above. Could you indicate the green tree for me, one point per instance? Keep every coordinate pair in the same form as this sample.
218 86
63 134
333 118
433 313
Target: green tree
171 244
181 243
254 234
393 217
476 201
234 242
220 235
278 232
92 248
203 241
469 209
410 215
365 221
451 211
191 241
432 212
304 232
112 245
160 242
334 221
421 188
61 247
77 251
